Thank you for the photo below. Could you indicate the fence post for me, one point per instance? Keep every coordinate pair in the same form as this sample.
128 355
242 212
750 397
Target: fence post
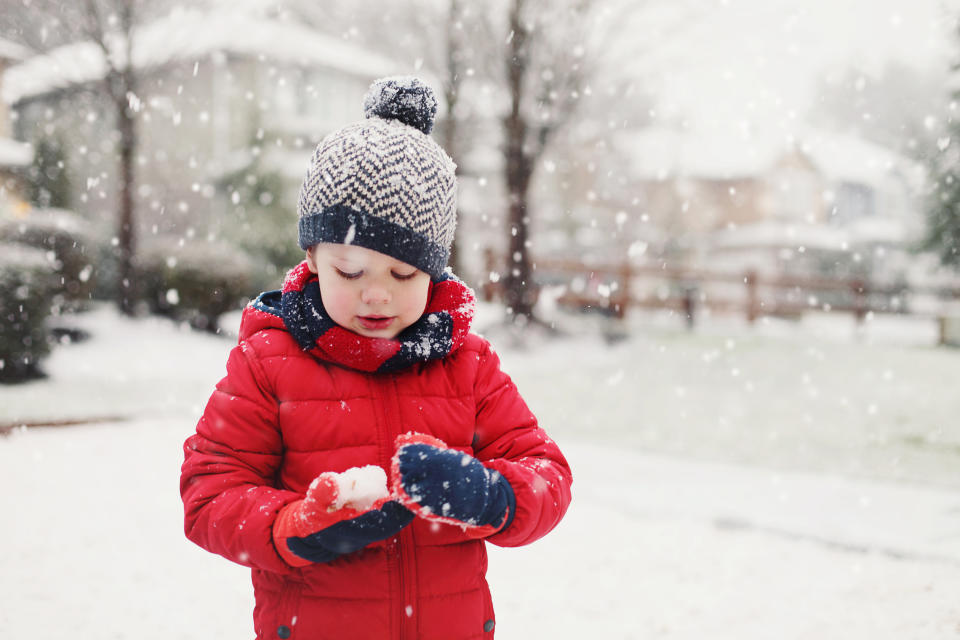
689 305
750 279
623 298
489 266
859 288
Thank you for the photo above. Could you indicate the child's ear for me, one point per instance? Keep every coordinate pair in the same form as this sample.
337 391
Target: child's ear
311 259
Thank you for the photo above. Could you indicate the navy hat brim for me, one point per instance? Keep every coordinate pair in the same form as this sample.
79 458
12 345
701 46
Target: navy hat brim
342 225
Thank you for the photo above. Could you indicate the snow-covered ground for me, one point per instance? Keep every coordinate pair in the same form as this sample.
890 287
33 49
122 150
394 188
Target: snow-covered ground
788 482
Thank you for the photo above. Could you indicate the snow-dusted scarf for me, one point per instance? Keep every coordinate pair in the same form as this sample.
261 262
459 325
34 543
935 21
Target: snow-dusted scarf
440 330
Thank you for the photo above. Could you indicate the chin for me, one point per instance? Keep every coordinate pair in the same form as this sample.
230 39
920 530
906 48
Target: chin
389 333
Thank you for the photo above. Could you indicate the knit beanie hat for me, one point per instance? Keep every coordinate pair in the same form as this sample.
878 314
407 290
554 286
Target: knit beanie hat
383 183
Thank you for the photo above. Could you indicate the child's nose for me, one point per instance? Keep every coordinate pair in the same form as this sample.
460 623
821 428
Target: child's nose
375 295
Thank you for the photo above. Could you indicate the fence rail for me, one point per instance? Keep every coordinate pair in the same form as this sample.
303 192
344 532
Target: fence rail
616 288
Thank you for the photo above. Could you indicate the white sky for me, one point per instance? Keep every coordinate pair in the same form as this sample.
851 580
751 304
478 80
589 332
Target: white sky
757 60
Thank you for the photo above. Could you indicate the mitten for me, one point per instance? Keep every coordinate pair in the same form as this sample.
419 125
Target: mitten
341 513
444 485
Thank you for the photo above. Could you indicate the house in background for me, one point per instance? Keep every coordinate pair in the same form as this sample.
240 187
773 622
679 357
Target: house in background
222 94
15 157
819 203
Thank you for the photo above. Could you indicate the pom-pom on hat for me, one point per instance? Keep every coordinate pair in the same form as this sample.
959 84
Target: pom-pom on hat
383 183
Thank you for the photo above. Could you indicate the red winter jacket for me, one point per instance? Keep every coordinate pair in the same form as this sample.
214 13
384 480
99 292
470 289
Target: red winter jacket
280 417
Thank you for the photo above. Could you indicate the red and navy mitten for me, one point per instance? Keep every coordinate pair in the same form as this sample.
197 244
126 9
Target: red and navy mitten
326 524
445 485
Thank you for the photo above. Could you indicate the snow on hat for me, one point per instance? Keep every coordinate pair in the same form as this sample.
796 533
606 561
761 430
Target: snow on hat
383 183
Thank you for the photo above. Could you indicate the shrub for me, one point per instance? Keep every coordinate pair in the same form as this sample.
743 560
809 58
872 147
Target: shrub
65 239
49 182
27 290
196 282
261 218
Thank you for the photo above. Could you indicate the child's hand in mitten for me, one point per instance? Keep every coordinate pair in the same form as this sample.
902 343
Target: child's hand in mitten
341 513
445 485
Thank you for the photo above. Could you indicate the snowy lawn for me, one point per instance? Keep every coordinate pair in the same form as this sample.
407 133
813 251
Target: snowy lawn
787 482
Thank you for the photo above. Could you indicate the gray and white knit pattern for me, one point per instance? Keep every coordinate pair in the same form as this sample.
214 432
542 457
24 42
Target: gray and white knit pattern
386 169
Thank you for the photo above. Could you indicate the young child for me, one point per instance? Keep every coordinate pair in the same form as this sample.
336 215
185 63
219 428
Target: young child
363 369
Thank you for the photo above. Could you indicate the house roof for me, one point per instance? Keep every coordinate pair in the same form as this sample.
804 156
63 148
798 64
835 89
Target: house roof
659 153
12 51
847 158
188 34
15 154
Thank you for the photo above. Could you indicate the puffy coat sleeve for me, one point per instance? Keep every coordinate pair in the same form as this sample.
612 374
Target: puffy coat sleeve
509 440
227 481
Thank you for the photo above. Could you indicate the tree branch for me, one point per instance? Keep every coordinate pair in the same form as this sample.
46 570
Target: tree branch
93 29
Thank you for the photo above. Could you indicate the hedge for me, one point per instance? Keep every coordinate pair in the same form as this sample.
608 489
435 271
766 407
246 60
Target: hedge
196 282
28 286
64 237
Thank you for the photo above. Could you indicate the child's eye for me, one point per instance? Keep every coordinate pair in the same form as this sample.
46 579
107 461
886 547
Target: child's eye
403 276
348 276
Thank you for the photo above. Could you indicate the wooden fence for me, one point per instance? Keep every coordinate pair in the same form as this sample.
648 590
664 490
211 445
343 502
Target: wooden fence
616 288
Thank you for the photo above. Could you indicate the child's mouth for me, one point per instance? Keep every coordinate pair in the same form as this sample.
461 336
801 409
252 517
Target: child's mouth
375 323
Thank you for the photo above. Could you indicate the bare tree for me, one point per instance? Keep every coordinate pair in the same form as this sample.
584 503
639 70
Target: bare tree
546 72
120 84
454 61
111 26
556 54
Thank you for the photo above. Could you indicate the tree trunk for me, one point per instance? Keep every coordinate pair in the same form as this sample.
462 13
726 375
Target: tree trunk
519 291
449 141
126 228
451 94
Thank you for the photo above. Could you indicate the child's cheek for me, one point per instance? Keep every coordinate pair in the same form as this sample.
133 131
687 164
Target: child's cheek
339 305
424 300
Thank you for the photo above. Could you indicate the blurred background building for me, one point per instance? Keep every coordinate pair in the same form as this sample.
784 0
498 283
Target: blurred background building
693 148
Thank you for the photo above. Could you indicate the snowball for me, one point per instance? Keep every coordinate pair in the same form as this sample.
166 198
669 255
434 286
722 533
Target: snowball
360 487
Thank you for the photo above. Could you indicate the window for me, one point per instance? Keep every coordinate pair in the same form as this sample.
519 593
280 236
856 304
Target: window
853 201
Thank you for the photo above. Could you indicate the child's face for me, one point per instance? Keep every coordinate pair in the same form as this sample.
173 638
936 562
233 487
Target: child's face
366 291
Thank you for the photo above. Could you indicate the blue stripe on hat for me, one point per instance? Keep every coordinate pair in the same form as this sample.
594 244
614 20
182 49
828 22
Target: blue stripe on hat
342 225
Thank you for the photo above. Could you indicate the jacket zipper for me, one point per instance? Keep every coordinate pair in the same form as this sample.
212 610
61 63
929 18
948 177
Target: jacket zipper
400 551
408 576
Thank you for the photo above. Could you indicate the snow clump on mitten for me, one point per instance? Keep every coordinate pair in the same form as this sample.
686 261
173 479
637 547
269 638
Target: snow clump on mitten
361 487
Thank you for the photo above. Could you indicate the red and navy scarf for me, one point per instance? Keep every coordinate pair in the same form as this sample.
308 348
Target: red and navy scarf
440 330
